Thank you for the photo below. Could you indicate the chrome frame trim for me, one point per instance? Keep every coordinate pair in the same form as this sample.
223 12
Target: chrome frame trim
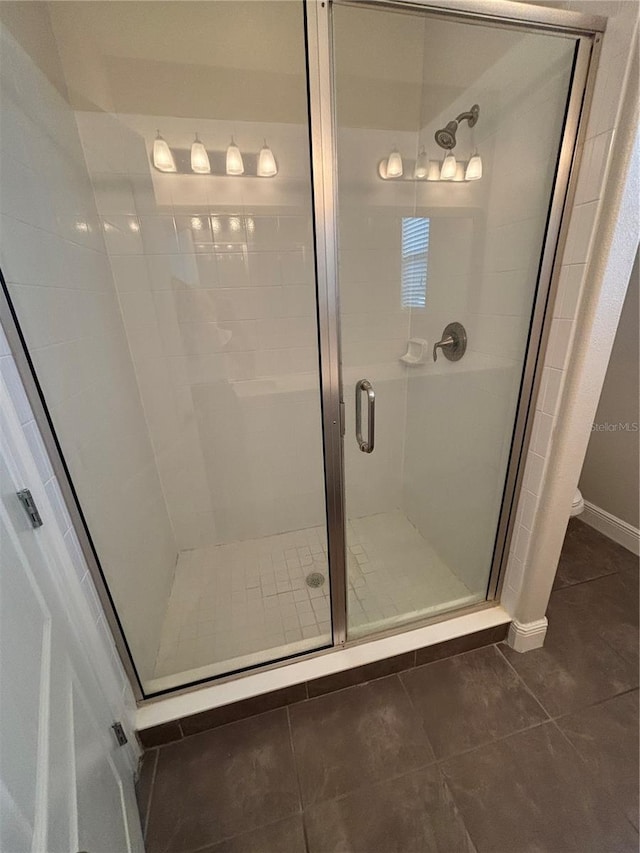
26 369
499 13
564 188
321 121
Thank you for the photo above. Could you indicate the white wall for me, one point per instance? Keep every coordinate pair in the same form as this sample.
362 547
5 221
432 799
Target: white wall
54 261
611 475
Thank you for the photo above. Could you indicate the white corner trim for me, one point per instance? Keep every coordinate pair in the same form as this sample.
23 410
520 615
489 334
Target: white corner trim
525 636
609 525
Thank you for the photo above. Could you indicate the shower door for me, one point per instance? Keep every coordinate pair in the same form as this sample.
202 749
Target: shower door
447 138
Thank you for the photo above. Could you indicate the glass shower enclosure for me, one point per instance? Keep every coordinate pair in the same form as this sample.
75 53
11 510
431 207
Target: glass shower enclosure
276 275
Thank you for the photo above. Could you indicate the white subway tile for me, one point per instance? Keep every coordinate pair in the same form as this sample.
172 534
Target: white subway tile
558 345
122 235
158 235
580 233
15 388
569 287
130 273
40 456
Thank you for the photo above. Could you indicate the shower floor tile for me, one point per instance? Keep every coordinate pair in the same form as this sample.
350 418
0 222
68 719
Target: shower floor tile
243 603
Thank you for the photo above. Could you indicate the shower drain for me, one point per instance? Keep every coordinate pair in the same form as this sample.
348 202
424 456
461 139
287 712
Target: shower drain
315 579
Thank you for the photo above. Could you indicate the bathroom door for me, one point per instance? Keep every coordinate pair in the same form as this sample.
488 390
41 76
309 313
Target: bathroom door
65 784
448 135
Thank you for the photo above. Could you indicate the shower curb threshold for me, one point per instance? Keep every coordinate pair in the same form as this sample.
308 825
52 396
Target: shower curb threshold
166 719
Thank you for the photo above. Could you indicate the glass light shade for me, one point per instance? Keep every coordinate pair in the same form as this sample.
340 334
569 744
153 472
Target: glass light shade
422 165
474 169
199 158
394 165
448 170
235 166
434 170
459 175
382 169
267 166
162 156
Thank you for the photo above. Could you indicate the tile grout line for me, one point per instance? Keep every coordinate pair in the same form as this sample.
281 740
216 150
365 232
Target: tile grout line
297 772
205 848
150 797
455 755
523 682
417 713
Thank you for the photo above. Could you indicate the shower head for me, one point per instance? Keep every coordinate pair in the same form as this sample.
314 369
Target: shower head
446 136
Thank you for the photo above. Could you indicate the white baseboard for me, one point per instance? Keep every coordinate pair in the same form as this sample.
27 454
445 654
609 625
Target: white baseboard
611 527
525 636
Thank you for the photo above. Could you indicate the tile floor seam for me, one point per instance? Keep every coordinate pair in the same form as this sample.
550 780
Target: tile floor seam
625 660
456 755
418 714
476 849
209 845
297 772
151 787
586 580
523 682
583 761
595 704
393 778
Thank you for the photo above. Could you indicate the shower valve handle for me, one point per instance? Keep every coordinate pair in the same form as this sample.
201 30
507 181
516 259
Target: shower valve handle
453 342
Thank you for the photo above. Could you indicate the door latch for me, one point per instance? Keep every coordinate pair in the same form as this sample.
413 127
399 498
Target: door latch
26 499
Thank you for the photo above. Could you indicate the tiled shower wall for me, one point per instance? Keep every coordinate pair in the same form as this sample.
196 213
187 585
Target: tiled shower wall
54 261
216 284
484 273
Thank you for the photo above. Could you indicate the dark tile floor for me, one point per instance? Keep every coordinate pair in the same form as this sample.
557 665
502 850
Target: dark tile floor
489 750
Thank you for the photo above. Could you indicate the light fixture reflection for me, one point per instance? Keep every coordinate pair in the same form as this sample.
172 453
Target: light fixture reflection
434 170
449 166
422 165
199 158
162 156
235 166
267 166
394 165
474 168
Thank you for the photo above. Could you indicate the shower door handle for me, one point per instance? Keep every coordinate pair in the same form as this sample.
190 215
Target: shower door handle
365 385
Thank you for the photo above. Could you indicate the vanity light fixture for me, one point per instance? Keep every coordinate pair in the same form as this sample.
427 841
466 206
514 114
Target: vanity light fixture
162 156
267 166
474 168
448 168
395 168
199 158
235 164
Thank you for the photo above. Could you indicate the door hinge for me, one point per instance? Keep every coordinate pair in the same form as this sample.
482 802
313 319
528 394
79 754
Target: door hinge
119 733
26 499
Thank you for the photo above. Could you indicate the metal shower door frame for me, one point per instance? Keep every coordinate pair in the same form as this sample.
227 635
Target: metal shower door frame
587 31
